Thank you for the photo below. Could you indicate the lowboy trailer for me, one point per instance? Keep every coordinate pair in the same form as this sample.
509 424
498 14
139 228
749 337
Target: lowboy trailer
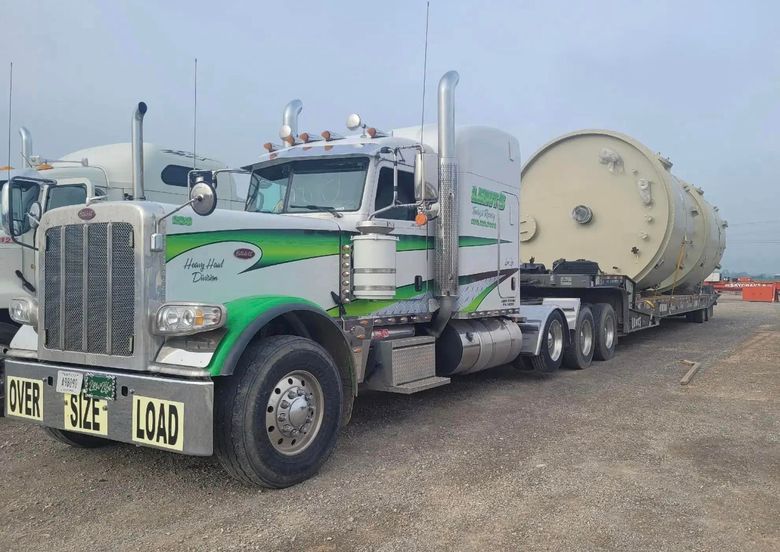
616 308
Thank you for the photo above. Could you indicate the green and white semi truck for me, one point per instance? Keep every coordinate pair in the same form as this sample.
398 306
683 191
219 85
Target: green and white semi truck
384 261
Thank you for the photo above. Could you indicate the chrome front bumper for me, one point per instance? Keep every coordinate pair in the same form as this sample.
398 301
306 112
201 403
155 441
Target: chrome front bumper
148 410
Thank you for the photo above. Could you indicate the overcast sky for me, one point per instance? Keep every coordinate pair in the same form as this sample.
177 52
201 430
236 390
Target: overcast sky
697 81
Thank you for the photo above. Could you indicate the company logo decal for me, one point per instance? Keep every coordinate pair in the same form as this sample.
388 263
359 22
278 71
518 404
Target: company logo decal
243 253
488 198
86 214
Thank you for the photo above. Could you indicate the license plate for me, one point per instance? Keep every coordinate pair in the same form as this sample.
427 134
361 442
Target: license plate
99 386
69 382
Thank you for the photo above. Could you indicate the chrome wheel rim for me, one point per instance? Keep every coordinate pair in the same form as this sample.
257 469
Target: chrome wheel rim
293 415
586 337
609 332
555 340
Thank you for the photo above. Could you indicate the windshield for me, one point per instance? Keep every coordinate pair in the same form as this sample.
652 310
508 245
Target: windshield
308 185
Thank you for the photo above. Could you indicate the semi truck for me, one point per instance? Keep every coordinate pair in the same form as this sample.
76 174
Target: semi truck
384 261
96 172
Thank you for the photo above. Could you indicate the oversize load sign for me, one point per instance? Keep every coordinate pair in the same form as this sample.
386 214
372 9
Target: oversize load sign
24 398
157 422
85 414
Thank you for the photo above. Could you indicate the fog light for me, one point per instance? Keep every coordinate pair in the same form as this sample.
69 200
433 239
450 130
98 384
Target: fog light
24 311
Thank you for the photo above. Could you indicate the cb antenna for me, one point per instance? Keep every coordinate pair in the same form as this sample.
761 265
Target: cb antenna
195 121
425 68
10 96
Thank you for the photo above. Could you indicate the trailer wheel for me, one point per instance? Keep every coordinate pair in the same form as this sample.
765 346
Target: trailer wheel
277 417
606 331
550 355
697 316
578 354
78 440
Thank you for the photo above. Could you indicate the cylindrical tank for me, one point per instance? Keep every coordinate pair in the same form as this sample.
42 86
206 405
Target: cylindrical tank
373 266
603 196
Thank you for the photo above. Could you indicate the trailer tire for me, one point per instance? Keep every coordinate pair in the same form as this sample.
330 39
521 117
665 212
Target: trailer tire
550 354
697 316
279 379
78 440
578 354
606 331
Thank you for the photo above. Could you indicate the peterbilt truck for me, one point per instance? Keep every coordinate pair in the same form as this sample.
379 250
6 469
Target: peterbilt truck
384 261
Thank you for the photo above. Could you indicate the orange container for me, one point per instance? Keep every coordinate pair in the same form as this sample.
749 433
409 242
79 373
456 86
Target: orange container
764 294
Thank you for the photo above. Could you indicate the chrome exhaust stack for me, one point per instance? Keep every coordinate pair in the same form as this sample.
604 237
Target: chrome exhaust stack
27 147
445 271
289 131
137 144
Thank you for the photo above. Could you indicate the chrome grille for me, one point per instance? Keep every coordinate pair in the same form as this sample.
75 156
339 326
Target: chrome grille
89 288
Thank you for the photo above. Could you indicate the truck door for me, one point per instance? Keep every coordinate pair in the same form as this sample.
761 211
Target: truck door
508 246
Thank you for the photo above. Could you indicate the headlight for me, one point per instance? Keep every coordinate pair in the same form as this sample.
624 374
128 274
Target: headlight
24 311
185 319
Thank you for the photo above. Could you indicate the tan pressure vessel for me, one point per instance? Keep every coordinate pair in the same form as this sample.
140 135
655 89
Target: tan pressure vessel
603 196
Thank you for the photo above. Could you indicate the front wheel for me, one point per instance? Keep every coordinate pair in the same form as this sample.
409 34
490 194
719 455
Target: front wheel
277 417
78 440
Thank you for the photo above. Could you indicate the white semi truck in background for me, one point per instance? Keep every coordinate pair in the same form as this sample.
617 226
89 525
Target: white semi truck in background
382 261
102 172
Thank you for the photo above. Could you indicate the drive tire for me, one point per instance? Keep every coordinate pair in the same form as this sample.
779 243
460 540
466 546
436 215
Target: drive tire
550 355
77 440
605 322
578 354
242 433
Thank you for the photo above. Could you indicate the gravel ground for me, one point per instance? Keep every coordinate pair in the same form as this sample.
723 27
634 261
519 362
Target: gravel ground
617 457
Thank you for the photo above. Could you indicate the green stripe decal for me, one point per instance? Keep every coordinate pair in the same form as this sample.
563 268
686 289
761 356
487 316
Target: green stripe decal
284 246
278 246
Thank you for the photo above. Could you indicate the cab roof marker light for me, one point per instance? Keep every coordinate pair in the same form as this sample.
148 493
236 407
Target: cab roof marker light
376 133
307 137
329 135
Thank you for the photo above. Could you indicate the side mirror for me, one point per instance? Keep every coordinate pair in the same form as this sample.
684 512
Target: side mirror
426 177
8 226
203 198
34 214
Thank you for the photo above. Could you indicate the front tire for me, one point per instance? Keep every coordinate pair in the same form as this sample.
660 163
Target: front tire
277 417
77 440
578 355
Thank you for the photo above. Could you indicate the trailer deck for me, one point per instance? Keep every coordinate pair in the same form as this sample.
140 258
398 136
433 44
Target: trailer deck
635 310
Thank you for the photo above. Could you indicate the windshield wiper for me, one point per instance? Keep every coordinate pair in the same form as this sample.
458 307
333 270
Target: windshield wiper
327 208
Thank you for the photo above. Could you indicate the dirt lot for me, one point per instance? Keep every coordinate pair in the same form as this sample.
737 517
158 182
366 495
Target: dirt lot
618 457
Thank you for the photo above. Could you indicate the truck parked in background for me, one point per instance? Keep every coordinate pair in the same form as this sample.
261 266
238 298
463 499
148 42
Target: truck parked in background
101 172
